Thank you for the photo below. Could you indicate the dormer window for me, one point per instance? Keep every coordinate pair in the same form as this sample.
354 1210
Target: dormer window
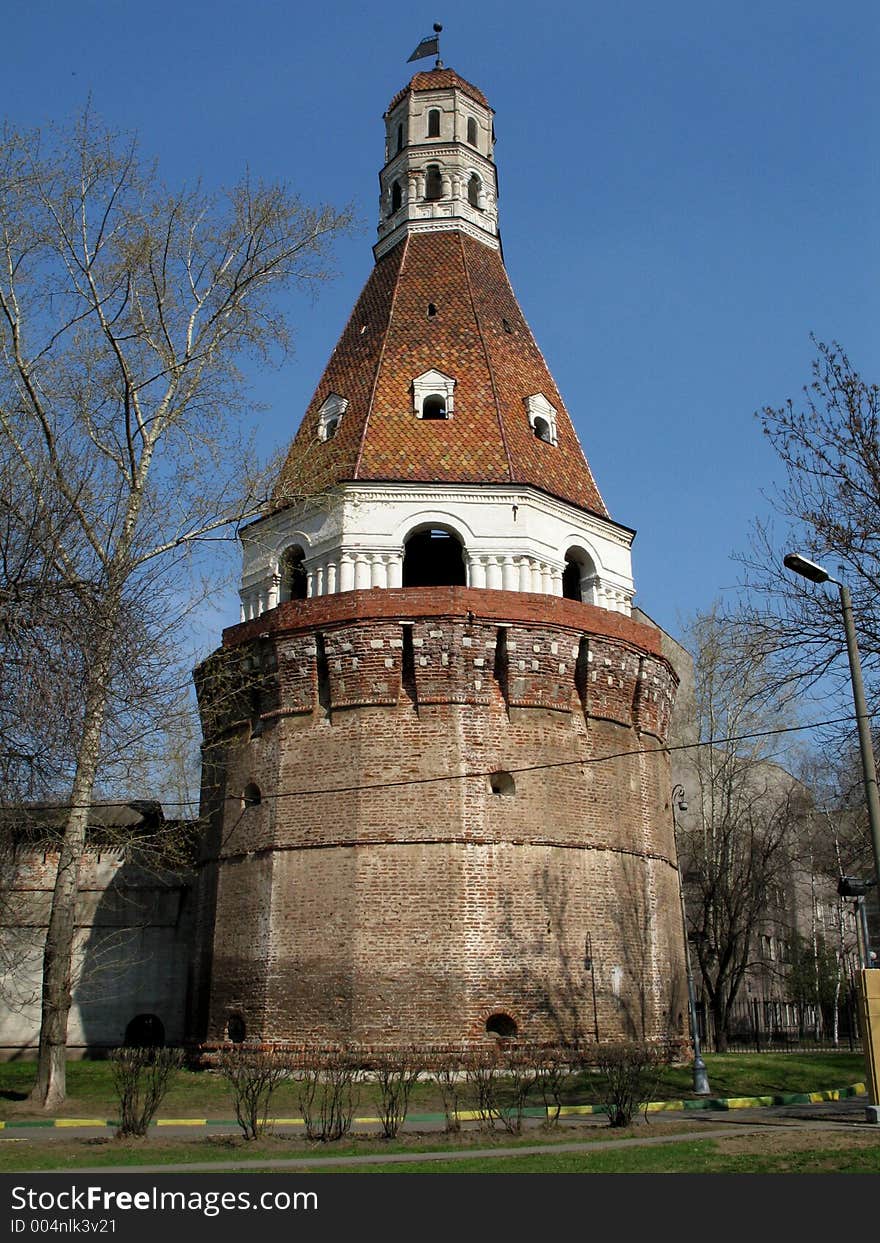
433 395
472 131
433 182
434 123
542 418
434 406
330 416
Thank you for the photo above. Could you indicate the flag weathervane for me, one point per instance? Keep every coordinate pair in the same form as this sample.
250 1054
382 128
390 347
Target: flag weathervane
429 47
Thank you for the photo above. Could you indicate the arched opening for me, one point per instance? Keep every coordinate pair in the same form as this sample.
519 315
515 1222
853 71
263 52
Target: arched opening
400 137
432 310
433 558
578 576
501 1025
503 784
251 796
474 187
294 580
396 196
472 131
433 182
434 406
145 1031
235 1029
542 430
434 123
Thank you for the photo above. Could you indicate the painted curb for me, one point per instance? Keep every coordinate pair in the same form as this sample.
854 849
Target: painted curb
567 1111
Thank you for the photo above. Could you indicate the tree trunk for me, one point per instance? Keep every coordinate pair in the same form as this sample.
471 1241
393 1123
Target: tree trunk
50 1087
719 1022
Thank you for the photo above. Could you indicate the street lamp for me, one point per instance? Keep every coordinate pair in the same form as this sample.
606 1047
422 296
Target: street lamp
870 983
701 1079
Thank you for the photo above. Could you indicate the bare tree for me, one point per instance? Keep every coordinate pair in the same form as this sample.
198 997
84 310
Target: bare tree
125 313
829 506
746 816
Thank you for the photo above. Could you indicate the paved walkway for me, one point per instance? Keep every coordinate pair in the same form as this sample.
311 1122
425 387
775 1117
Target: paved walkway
846 1114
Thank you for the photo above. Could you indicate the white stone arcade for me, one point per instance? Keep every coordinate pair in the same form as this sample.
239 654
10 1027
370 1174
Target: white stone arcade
512 539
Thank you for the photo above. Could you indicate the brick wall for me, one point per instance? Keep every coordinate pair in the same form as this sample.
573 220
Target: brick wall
381 891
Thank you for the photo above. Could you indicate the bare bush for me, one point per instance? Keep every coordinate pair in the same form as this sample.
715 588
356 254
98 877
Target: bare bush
252 1076
327 1094
553 1069
518 1077
501 1079
141 1078
481 1073
447 1078
628 1075
395 1074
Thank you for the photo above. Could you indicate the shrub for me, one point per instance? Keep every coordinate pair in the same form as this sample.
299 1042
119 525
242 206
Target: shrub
395 1073
518 1072
141 1078
628 1075
481 1073
447 1077
553 1069
252 1076
501 1079
327 1093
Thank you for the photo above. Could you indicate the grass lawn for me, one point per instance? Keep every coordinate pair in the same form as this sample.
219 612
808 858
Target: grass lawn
203 1094
687 1157
765 1151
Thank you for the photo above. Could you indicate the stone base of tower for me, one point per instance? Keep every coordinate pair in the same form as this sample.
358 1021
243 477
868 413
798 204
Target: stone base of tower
438 813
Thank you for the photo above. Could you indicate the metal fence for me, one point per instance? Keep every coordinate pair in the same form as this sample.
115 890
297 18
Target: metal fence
760 1026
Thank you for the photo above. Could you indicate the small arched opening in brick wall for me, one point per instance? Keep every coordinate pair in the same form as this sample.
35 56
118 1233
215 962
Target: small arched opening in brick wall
294 580
503 784
433 557
579 576
235 1028
501 1025
145 1031
251 795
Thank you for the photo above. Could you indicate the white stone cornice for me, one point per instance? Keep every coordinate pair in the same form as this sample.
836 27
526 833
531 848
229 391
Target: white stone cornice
439 225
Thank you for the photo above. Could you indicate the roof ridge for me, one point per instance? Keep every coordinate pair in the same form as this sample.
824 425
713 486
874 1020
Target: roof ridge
487 356
380 359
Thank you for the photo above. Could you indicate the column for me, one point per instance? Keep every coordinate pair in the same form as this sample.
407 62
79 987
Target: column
346 573
395 570
361 572
331 578
476 571
509 575
378 571
493 574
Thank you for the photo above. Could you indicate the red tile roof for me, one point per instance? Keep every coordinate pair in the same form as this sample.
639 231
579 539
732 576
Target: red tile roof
479 337
438 80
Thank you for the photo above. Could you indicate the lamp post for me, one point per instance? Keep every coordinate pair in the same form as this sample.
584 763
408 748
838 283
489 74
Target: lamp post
870 983
701 1079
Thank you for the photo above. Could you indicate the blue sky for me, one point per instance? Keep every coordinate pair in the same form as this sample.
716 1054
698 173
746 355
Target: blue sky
688 191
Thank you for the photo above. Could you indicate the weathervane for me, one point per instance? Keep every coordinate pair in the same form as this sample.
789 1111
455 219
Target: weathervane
429 47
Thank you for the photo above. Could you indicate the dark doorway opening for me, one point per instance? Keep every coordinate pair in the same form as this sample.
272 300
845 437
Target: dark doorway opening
433 558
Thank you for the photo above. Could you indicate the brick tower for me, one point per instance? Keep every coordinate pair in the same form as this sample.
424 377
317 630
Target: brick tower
438 795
